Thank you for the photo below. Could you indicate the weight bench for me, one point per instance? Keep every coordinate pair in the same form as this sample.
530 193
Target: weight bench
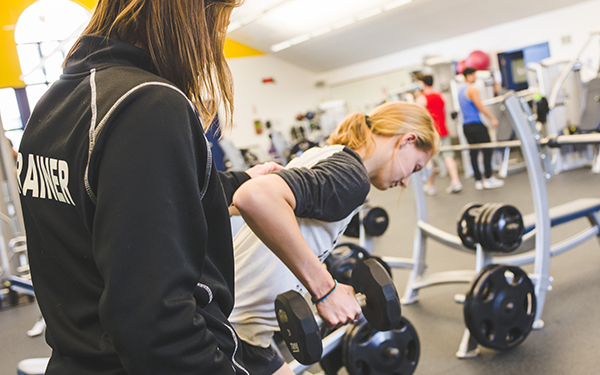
561 214
566 212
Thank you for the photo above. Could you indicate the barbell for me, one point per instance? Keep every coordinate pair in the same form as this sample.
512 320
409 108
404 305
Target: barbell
551 141
496 227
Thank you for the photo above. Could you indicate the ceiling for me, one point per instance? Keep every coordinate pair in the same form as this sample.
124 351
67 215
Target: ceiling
265 23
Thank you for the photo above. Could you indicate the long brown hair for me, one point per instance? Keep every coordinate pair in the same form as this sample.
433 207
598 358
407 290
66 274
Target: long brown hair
185 39
388 120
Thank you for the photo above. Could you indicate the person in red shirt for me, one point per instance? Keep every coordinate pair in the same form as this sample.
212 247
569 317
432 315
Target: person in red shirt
434 102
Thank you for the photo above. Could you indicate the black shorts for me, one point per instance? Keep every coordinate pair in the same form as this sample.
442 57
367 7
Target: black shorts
260 361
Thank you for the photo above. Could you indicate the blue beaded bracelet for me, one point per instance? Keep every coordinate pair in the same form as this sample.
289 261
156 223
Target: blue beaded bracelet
328 294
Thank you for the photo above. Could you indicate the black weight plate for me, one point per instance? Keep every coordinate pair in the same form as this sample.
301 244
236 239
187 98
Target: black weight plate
384 264
376 221
487 238
342 260
505 229
382 310
497 238
479 213
333 361
500 307
483 272
353 228
372 352
481 224
466 225
298 327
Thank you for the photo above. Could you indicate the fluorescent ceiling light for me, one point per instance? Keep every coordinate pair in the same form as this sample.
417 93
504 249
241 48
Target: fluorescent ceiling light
300 39
300 7
281 46
238 23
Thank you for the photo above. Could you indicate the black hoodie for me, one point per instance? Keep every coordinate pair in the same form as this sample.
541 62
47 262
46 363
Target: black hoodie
128 232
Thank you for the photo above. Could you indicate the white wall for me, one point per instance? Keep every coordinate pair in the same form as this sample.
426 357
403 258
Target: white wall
364 95
576 22
292 92
294 89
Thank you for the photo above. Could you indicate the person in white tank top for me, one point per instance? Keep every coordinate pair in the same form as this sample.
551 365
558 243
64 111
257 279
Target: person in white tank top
295 216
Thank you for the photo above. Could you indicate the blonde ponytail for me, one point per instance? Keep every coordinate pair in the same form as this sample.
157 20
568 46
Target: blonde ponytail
388 120
352 132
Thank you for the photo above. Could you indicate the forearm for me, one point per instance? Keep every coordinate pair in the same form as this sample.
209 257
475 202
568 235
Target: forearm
473 94
483 109
270 214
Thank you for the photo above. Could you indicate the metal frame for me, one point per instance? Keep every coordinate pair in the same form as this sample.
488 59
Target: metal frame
13 259
539 169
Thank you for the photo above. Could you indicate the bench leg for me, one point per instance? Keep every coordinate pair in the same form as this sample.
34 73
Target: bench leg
468 347
419 252
594 221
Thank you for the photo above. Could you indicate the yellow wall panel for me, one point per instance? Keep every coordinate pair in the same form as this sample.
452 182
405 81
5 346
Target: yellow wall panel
234 49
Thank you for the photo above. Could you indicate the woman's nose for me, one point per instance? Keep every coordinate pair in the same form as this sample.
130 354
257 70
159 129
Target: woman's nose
406 180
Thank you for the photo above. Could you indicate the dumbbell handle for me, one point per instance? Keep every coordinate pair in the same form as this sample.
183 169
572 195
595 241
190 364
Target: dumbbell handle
360 298
298 323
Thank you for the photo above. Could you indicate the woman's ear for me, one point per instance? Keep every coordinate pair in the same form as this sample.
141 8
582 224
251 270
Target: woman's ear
410 137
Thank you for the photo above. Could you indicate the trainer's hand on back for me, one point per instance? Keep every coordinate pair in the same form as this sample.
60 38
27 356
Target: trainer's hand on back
340 308
263 169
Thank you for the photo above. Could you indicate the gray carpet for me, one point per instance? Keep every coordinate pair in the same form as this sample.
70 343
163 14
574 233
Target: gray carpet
568 344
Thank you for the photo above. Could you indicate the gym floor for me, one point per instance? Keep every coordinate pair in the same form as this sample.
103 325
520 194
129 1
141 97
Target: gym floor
568 344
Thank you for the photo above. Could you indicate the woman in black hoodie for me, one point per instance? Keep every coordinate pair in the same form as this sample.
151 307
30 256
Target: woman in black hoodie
127 225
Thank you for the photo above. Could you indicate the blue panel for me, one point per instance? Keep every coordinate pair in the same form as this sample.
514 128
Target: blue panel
536 53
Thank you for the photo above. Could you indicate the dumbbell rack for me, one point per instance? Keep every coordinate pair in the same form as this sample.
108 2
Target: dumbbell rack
540 169
13 249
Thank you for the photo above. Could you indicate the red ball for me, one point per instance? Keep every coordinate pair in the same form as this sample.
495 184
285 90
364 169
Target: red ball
460 67
478 60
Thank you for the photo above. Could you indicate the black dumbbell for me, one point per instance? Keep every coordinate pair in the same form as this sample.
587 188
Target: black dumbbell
376 294
495 226
375 221
342 259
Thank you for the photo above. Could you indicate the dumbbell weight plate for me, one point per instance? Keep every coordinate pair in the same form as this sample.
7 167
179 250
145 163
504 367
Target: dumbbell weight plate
376 221
480 224
504 228
353 228
342 260
332 362
368 351
500 307
382 308
298 327
466 225
384 264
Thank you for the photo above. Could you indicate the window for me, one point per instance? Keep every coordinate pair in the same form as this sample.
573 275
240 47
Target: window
44 33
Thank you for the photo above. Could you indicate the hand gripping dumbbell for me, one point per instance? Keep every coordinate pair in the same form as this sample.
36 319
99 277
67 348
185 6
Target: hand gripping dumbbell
375 292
